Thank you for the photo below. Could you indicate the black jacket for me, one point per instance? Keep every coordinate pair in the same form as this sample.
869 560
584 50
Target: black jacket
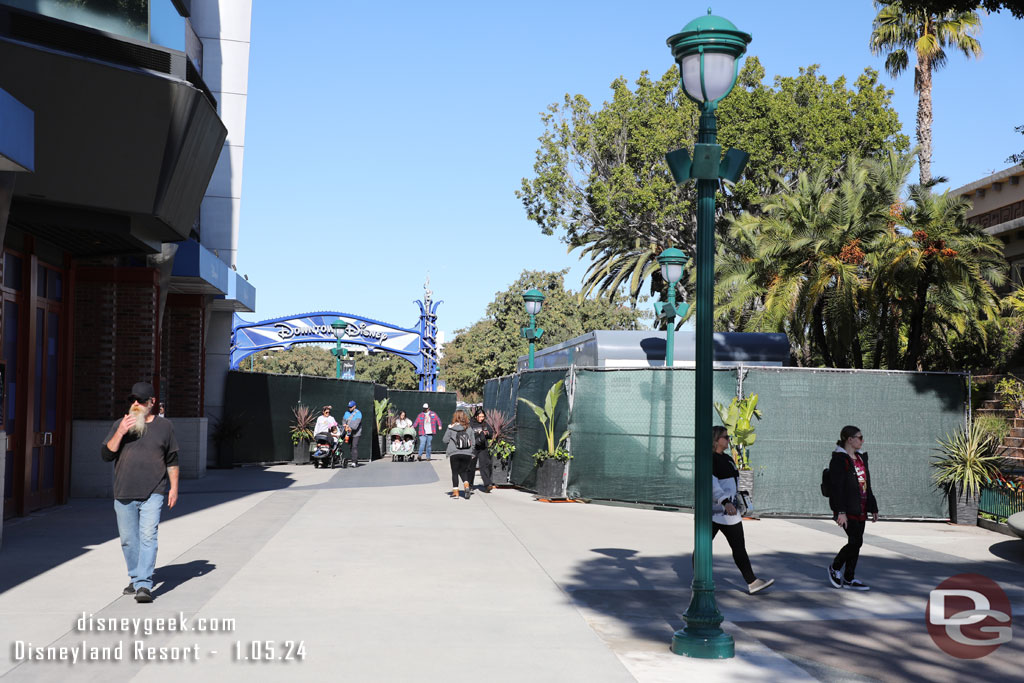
844 487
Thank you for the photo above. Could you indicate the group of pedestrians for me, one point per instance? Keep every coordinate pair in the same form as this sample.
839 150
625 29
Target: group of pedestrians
851 500
466 448
346 433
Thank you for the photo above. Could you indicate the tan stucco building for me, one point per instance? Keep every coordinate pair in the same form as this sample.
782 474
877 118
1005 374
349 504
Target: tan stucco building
999 208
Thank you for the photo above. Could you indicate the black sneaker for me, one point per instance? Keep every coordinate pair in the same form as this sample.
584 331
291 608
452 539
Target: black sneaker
129 590
143 595
835 577
856 584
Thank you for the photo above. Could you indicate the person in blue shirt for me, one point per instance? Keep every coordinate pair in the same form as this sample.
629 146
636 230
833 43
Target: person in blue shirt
352 423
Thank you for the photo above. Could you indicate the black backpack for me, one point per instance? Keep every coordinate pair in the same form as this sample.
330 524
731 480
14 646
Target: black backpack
826 481
462 440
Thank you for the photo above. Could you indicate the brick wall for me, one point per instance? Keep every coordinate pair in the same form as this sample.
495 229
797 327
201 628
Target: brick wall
116 334
182 355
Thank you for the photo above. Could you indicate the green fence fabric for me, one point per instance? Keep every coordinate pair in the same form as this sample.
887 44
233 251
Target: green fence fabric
442 403
900 413
264 403
632 433
533 385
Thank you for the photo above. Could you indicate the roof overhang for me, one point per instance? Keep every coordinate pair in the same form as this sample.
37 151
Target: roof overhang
17 135
197 270
241 296
113 138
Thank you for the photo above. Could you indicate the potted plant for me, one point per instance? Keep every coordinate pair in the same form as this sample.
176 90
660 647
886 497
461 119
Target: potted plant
301 432
737 421
501 448
384 418
550 461
226 431
967 460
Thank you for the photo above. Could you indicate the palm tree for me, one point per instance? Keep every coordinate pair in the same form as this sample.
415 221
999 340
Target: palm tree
898 29
802 262
948 270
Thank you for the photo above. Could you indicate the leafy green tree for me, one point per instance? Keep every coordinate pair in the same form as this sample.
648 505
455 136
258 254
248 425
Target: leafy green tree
856 278
601 182
950 269
490 347
898 28
388 369
799 267
301 359
1015 7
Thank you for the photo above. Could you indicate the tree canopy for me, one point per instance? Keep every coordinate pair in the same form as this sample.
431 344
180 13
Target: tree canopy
857 278
310 359
490 347
1014 7
602 185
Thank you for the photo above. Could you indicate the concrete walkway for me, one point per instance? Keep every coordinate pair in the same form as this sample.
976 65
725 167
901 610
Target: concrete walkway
381 577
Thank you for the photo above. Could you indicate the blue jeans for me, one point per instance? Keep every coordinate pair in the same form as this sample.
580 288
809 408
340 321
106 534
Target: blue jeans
137 522
424 445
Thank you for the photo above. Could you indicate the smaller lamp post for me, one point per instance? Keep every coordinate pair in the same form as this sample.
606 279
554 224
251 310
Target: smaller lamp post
534 299
338 326
672 261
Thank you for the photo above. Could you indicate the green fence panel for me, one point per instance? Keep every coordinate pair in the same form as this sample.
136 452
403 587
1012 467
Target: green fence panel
632 433
900 413
441 402
1000 502
265 402
533 385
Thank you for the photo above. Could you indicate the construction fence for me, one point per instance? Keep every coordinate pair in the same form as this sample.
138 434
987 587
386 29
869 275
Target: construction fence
263 402
632 431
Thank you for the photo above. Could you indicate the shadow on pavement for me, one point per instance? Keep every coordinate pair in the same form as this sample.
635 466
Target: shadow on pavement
880 634
173 575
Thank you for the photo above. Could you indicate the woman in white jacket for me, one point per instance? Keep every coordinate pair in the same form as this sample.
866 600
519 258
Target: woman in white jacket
724 515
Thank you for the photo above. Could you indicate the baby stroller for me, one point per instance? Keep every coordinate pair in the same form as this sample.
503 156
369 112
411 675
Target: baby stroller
326 451
402 444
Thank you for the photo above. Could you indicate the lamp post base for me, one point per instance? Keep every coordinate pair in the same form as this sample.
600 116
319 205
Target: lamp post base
699 645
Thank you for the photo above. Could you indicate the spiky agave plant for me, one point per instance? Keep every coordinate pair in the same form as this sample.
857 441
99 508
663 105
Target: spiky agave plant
967 460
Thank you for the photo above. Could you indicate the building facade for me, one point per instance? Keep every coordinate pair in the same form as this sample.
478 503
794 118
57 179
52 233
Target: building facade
998 206
120 241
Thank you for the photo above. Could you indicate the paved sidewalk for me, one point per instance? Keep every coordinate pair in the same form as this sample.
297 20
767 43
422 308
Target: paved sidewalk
381 577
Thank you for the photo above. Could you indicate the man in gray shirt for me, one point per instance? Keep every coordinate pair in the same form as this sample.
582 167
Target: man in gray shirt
145 455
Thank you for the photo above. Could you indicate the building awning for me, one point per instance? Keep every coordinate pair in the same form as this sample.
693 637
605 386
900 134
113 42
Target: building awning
241 295
197 270
17 135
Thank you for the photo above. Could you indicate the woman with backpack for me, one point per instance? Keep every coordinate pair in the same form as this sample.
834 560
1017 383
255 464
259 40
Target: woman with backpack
852 502
459 439
725 516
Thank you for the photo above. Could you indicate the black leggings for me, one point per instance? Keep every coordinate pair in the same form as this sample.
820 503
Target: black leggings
462 466
734 534
850 552
483 459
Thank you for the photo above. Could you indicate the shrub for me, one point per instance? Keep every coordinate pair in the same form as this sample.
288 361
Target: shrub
993 425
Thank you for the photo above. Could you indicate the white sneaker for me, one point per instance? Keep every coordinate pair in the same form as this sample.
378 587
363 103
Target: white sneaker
759 585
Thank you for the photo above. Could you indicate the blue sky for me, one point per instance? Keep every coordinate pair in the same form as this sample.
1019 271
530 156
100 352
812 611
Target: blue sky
385 140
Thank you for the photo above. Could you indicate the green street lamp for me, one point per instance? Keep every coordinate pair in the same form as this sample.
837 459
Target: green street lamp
338 326
672 261
534 299
707 51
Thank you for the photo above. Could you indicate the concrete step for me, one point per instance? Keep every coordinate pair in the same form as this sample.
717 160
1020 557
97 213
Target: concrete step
991 404
1013 442
1017 432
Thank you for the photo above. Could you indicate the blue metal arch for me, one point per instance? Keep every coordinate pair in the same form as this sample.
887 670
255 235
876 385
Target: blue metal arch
416 345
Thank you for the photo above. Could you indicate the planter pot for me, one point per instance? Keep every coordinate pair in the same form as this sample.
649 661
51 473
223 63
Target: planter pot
550 475
963 509
501 472
226 454
300 453
382 446
745 482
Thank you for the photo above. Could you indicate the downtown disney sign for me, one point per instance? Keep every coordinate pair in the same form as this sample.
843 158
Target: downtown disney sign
417 345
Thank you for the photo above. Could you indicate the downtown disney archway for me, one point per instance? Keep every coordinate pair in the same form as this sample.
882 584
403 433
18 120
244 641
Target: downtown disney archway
417 345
